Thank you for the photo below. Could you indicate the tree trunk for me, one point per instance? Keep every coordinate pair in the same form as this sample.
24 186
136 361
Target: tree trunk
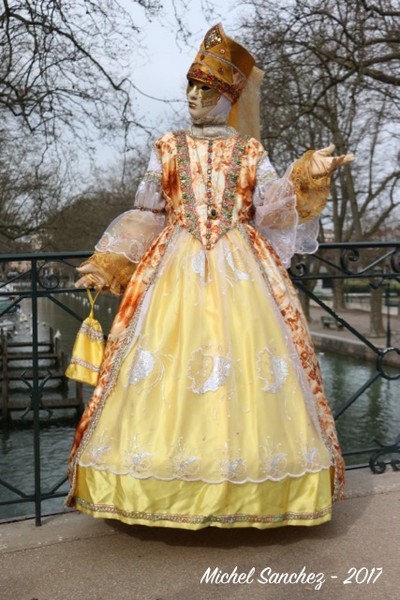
339 303
376 327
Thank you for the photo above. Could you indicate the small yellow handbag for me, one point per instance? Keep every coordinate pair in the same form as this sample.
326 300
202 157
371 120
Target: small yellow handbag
88 350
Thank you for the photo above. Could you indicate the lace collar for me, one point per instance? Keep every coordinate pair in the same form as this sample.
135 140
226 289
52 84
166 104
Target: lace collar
212 132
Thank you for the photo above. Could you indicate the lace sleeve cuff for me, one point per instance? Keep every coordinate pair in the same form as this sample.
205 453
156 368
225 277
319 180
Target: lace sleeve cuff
131 233
276 215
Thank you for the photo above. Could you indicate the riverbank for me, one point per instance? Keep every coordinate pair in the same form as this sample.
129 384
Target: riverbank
342 341
73 556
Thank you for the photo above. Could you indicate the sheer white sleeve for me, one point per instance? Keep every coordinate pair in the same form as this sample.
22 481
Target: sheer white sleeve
132 232
276 216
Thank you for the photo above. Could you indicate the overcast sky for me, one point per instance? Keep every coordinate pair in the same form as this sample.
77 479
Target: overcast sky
162 73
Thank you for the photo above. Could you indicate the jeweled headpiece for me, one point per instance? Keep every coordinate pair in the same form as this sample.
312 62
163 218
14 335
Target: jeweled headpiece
222 63
228 67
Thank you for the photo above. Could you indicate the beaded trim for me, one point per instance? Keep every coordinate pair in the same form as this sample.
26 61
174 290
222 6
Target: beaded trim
85 364
213 37
228 199
229 194
90 332
185 178
218 84
204 519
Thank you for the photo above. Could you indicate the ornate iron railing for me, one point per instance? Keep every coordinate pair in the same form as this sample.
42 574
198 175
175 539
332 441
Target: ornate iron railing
50 275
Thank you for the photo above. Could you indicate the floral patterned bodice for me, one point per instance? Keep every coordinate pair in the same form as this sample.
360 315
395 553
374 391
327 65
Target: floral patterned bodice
207 185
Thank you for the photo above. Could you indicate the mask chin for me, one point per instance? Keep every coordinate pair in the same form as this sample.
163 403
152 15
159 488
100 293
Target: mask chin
216 115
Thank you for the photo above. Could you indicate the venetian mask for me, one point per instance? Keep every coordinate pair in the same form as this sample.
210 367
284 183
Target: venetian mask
201 99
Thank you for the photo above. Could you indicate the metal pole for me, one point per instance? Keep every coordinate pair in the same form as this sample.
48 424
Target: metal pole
36 395
388 324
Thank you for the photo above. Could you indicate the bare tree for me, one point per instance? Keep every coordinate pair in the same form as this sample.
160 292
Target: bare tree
29 192
366 35
70 64
63 64
82 220
66 81
331 77
348 39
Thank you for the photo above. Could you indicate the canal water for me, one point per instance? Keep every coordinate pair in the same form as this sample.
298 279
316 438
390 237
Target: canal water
374 416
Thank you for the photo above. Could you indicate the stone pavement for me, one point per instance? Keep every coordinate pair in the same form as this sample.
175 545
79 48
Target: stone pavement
74 556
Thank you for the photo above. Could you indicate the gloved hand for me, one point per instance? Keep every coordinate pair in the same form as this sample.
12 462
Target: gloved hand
91 277
322 164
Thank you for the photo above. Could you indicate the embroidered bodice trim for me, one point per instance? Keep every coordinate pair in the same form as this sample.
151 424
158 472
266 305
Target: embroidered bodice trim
218 221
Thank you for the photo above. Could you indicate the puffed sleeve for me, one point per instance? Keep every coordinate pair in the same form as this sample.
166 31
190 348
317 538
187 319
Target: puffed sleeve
287 209
129 235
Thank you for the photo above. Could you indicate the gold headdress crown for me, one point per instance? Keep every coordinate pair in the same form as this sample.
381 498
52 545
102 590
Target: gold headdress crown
228 67
222 63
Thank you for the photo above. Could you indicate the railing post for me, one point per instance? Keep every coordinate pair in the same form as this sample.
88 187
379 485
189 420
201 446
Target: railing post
4 383
36 395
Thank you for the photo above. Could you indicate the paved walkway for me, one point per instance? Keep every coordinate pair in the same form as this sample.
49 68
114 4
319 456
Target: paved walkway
76 557
359 319
343 341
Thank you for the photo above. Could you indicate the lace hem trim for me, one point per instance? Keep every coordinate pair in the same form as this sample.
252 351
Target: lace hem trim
135 475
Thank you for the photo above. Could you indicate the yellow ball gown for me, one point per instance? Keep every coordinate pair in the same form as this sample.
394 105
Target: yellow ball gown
209 410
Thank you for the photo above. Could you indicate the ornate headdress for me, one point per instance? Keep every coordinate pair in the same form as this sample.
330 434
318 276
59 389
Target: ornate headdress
228 67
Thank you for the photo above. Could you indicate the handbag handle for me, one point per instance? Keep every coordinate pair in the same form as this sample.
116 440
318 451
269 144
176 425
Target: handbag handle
92 300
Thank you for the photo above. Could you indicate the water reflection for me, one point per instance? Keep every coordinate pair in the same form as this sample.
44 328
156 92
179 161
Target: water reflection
375 414
16 466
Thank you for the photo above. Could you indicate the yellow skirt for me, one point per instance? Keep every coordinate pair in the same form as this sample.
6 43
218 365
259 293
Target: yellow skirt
211 420
195 505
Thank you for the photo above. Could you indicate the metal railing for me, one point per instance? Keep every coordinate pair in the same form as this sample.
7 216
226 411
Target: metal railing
377 264
48 275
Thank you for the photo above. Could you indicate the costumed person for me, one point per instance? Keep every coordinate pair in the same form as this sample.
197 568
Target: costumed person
209 409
